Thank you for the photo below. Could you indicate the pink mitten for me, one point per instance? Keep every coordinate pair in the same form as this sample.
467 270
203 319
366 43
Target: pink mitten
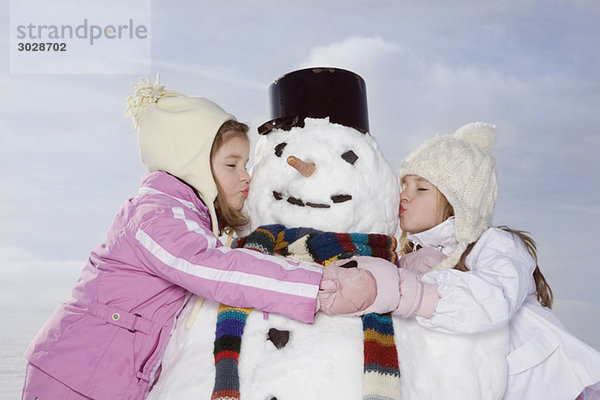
388 281
416 297
345 290
423 260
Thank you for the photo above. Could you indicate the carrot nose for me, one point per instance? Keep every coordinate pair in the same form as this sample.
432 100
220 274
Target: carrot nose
305 168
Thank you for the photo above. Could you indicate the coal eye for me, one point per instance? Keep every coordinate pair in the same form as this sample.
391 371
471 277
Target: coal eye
279 148
350 157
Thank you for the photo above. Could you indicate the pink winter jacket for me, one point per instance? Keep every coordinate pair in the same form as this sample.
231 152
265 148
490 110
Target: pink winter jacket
108 339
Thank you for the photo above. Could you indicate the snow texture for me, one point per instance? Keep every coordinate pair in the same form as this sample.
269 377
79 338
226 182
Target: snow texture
370 181
325 360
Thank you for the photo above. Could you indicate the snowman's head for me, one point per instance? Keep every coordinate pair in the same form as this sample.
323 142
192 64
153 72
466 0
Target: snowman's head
324 176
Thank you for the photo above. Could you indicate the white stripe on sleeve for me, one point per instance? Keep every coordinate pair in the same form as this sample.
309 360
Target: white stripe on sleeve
193 226
235 277
149 190
279 261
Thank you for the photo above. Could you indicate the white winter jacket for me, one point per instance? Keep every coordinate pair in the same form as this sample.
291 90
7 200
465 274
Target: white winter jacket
545 361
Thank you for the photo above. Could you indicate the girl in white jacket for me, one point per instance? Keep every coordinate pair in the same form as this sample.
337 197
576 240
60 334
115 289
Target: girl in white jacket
483 277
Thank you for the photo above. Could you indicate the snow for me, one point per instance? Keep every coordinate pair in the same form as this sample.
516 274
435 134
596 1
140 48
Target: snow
324 143
325 360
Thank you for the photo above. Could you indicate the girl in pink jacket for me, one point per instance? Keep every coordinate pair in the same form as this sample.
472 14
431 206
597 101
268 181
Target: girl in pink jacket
107 340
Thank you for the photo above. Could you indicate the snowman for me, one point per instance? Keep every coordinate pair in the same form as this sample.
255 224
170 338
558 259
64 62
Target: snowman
319 173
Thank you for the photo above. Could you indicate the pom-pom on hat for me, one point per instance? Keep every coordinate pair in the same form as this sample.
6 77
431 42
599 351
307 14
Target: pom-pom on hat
463 170
175 135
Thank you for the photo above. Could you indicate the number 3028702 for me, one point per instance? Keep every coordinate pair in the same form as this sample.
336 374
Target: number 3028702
42 46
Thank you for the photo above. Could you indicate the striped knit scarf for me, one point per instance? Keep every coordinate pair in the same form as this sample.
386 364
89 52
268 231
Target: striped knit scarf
381 369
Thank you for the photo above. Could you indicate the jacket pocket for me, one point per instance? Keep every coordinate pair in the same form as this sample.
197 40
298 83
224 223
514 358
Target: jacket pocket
531 353
146 354
144 337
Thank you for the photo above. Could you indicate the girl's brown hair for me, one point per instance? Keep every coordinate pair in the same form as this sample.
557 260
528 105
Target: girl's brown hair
228 217
544 293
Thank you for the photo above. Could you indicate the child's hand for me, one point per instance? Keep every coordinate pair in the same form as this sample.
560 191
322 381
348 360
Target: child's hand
372 287
416 297
346 290
422 261
387 280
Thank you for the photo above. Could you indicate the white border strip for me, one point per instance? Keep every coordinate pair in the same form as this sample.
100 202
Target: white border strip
149 190
193 226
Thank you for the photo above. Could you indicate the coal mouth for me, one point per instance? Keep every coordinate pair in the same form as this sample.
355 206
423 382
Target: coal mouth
337 198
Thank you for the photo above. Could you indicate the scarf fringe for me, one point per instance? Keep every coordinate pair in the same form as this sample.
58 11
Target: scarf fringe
228 342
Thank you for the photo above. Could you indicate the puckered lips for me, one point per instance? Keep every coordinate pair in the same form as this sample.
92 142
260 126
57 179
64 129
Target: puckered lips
336 198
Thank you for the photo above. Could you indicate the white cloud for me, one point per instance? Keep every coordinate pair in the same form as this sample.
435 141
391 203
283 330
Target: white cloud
356 53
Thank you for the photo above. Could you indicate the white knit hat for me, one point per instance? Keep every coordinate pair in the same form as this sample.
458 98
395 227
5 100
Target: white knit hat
463 170
175 135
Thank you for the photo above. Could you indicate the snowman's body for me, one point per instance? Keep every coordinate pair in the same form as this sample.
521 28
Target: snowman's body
352 189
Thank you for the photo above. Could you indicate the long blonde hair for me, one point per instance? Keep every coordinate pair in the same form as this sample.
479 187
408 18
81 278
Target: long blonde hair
543 291
228 218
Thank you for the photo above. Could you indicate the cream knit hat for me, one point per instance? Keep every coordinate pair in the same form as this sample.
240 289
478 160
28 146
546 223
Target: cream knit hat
462 169
175 135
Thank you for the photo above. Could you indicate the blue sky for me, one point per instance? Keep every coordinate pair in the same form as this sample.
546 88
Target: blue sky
69 156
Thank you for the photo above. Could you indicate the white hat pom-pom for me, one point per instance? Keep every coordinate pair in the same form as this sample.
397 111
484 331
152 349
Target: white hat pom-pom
480 134
146 93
